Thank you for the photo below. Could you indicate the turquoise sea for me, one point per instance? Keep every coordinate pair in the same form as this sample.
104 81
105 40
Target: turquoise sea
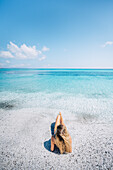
85 93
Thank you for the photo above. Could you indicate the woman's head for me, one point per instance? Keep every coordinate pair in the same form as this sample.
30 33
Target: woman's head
61 130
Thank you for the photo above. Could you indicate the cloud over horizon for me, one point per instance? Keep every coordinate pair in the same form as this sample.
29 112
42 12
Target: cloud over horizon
107 43
23 52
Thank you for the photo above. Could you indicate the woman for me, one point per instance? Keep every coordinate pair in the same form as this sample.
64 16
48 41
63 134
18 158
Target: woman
61 137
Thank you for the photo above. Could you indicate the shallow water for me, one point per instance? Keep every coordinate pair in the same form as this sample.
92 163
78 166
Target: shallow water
85 93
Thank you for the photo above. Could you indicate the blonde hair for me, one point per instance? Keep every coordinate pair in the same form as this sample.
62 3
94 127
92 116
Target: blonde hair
62 139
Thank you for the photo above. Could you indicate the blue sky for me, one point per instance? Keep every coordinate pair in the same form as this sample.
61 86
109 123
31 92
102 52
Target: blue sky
56 33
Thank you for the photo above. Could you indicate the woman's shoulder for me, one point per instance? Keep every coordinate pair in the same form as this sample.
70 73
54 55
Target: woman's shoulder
70 140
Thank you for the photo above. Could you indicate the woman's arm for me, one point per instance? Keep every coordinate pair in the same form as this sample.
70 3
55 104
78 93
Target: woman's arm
70 144
52 143
57 123
61 119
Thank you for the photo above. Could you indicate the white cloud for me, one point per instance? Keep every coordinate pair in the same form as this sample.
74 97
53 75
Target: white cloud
18 66
13 47
45 49
23 52
7 61
6 54
42 58
107 43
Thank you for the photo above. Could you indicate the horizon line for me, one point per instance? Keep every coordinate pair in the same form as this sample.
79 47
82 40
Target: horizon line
56 68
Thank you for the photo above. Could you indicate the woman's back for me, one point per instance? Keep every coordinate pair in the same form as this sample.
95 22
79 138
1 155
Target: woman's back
63 139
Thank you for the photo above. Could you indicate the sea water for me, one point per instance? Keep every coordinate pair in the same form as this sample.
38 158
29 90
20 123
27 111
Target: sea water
86 94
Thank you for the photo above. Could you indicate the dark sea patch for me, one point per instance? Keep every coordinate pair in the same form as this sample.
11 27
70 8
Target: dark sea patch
98 95
75 73
6 105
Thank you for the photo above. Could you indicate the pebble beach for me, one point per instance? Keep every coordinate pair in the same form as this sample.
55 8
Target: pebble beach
25 142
